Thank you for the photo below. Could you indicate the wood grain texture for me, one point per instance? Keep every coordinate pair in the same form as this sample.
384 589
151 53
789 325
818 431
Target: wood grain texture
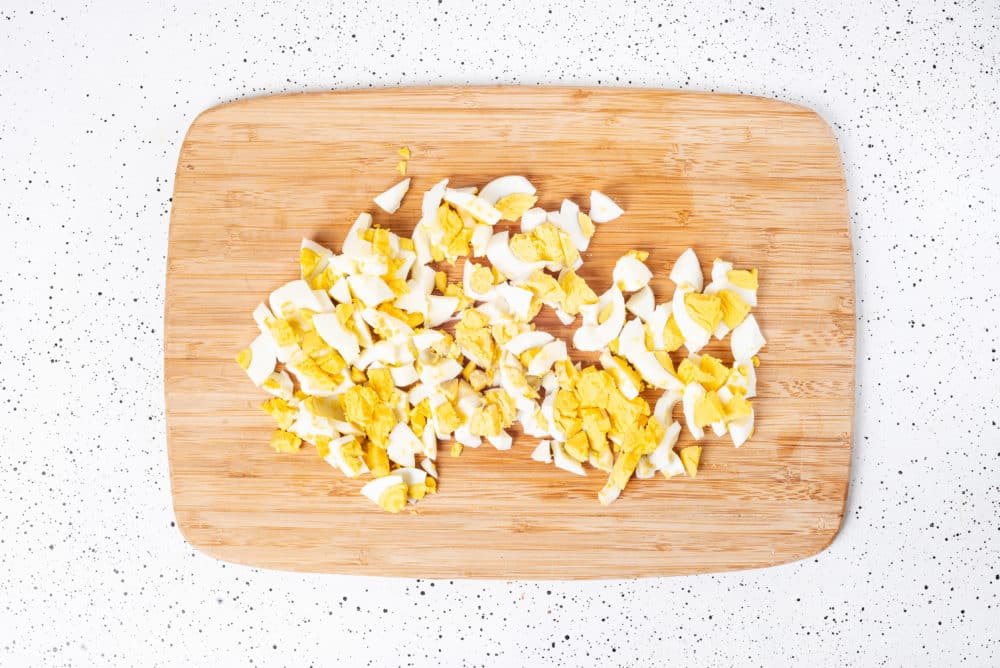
752 180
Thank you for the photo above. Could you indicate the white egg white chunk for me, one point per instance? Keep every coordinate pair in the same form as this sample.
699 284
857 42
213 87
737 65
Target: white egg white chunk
355 246
344 264
602 208
465 436
628 388
477 206
371 290
631 274
747 340
692 393
435 374
341 291
412 476
388 326
422 244
336 459
403 445
440 309
568 220
428 465
542 452
632 346
432 199
564 461
279 384
497 189
749 381
480 241
656 322
337 336
374 489
429 449
384 352
642 303
390 200
498 252
720 281
608 494
563 317
687 271
404 375
296 295
664 409
664 459
532 218
502 441
426 338
596 337
467 288
741 430
550 353
361 327
532 422
644 470
323 252
527 340
695 338
263 358
518 300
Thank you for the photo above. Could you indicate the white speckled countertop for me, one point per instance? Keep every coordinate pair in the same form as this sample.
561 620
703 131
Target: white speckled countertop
94 102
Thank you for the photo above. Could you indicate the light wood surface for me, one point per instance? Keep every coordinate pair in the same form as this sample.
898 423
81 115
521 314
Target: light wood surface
752 180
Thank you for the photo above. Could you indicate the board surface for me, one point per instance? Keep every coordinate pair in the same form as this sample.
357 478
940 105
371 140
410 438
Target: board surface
756 181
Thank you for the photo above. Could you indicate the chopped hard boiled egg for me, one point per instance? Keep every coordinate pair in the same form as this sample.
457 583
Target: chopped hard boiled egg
358 364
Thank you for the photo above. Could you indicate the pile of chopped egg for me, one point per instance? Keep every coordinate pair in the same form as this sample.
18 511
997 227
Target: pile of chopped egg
360 366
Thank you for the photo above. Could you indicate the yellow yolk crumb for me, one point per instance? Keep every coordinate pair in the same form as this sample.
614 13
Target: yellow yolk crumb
456 449
308 261
586 224
709 410
576 291
705 310
244 357
393 498
279 409
481 279
734 309
690 457
742 278
513 206
404 152
283 441
401 167
376 459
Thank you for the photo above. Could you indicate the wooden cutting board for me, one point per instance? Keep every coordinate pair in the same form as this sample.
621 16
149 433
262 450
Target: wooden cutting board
752 180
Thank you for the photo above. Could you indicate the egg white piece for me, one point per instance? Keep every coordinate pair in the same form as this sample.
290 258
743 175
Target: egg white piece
426 338
527 340
695 338
440 309
337 336
518 300
279 384
263 358
596 337
323 252
741 430
550 353
564 461
563 317
498 252
502 441
371 290
692 393
644 470
384 352
404 375
336 459
628 388
435 374
341 291
630 274
664 459
389 326
428 465
532 218
602 208
747 340
748 382
465 436
657 322
296 295
432 200
422 243
568 220
390 200
477 206
532 422
480 241
608 494
720 281
687 271
548 408
354 245
642 303
403 445
542 452
467 288
632 346
374 489
497 189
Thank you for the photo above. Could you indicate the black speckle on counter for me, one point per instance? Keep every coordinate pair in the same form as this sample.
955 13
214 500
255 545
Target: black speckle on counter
95 99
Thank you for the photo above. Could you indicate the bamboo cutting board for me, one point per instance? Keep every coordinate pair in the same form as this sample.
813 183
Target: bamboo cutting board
752 180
